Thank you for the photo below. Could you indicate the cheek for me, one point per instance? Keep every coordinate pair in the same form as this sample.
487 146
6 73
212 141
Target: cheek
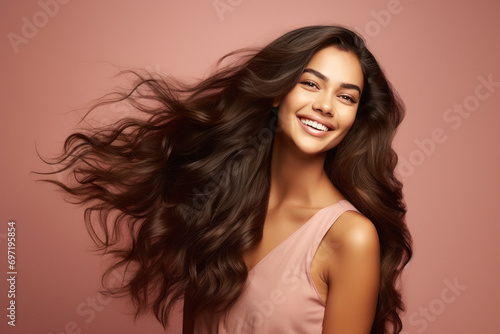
286 121
287 111
295 100
352 119
348 118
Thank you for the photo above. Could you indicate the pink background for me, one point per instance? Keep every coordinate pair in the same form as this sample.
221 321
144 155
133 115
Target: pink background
436 53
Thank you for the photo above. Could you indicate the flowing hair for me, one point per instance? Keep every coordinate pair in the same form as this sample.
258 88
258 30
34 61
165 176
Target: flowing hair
177 195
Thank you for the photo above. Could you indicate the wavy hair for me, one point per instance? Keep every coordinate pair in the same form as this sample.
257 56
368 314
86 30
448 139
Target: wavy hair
177 195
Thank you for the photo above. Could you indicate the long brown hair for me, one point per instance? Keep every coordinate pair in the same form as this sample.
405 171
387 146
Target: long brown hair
177 196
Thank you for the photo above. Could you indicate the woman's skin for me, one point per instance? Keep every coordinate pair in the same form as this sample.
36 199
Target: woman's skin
346 268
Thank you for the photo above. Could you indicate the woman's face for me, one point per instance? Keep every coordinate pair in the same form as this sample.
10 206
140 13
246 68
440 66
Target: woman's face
317 113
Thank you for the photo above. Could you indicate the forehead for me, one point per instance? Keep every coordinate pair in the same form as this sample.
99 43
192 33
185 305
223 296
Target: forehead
337 65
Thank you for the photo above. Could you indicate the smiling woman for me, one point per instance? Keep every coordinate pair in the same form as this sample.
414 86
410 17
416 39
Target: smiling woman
317 113
303 230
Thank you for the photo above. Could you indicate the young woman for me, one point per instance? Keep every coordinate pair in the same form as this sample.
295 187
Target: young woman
264 196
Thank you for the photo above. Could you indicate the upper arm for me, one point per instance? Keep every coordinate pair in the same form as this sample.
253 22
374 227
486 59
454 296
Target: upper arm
353 276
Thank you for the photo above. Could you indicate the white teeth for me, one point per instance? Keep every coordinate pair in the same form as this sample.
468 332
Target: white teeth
314 124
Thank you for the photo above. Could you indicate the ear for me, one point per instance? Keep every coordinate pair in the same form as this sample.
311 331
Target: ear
276 101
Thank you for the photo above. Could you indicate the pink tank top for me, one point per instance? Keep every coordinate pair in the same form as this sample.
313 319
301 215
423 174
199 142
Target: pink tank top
280 296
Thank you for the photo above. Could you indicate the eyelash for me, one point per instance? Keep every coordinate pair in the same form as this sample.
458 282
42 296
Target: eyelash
313 85
349 98
310 84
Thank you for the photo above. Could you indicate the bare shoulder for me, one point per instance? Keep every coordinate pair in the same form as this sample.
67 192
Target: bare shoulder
353 233
352 274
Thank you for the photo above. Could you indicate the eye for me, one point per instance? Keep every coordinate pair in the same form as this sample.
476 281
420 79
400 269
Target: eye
310 84
348 98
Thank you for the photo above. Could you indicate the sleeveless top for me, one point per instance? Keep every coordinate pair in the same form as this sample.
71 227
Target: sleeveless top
280 296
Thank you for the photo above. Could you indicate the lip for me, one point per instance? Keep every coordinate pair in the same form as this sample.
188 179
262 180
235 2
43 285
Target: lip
312 131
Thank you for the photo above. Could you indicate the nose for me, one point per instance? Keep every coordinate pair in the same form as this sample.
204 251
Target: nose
324 104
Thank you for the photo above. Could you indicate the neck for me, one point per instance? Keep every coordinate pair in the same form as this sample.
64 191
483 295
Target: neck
297 178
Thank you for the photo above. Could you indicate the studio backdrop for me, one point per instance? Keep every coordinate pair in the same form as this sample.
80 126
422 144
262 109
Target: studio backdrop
57 56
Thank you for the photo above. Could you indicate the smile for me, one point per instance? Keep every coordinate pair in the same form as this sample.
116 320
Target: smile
314 124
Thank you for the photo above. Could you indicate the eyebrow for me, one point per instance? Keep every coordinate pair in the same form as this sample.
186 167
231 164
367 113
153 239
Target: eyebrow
325 79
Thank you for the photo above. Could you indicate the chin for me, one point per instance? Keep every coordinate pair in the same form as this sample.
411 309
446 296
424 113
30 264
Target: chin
312 150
